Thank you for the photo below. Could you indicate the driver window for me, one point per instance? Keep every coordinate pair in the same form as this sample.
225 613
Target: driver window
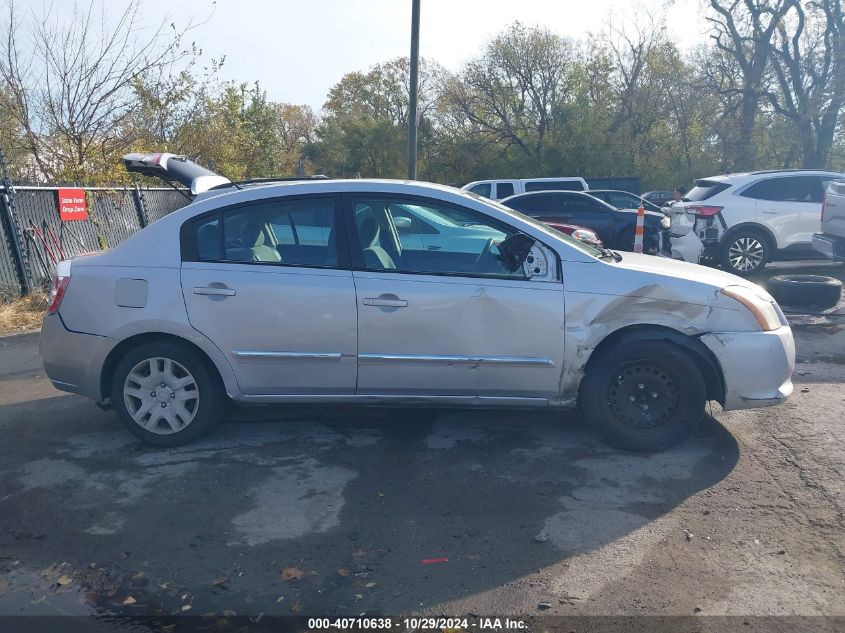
450 240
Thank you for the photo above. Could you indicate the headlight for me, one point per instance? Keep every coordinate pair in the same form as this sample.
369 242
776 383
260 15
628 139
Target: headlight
665 222
758 304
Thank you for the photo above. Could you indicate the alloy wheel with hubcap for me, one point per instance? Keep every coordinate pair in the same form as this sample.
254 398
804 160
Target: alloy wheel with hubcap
161 395
166 393
745 254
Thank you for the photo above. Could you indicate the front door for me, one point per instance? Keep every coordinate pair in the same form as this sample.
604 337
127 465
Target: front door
453 321
264 285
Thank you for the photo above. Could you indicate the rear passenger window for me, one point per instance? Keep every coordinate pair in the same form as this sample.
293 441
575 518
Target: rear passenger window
790 189
504 189
287 232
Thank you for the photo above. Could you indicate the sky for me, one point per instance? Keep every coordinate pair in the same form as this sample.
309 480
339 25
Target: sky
298 49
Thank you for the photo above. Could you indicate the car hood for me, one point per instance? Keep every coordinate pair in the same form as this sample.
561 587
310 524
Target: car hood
676 269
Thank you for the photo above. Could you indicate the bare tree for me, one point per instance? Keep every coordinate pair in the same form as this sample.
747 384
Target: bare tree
69 85
510 92
743 31
808 60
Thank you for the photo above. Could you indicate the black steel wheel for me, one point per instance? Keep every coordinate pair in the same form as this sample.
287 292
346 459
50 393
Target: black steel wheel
643 395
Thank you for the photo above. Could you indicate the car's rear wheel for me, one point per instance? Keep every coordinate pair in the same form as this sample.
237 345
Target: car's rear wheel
166 394
745 252
643 396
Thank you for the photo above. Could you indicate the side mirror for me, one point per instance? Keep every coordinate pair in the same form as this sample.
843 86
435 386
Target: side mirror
401 222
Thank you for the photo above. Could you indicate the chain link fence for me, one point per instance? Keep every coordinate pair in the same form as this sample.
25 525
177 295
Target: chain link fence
43 239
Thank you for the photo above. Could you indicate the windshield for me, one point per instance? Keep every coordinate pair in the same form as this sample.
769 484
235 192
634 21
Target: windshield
577 244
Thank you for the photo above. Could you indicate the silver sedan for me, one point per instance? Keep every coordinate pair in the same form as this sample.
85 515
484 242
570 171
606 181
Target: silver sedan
391 292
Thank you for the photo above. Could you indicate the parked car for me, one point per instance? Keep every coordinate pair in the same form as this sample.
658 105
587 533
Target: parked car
502 188
624 199
659 198
614 227
830 242
213 303
743 221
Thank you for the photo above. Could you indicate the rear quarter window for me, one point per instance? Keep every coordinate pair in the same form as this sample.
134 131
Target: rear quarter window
705 189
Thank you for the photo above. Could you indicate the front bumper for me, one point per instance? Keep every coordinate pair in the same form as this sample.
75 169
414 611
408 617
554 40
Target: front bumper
757 366
73 361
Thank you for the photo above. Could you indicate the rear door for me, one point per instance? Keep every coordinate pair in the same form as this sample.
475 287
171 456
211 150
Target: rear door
788 205
453 321
265 282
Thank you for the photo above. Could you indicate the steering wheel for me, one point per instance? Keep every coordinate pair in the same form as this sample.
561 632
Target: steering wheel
486 253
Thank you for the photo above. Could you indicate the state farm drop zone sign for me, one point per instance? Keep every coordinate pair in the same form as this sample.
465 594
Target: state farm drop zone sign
72 205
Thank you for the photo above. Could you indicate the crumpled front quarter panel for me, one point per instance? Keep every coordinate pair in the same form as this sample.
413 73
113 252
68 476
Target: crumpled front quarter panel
601 299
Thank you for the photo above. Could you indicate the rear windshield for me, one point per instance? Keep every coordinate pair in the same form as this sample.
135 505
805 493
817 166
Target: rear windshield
705 189
554 185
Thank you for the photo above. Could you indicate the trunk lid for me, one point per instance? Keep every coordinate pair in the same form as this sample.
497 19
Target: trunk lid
174 169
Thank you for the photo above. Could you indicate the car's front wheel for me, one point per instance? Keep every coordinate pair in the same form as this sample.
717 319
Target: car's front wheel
745 252
643 396
166 394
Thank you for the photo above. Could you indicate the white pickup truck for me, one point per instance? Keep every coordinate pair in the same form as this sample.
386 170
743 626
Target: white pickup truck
831 241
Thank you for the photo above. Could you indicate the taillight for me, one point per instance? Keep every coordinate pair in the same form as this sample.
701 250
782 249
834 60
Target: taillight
824 205
61 279
703 210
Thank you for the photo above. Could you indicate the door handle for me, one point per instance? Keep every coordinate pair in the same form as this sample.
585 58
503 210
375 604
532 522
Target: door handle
215 291
385 302
433 247
770 210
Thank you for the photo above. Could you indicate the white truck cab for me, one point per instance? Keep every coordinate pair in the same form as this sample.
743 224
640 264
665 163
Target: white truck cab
502 188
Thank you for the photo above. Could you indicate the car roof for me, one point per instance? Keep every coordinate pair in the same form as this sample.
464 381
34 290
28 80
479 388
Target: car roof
751 175
303 187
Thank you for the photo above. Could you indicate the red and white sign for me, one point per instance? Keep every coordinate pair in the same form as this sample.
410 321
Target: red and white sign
72 205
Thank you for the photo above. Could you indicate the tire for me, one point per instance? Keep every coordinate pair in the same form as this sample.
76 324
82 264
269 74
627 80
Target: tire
643 396
814 291
188 405
745 252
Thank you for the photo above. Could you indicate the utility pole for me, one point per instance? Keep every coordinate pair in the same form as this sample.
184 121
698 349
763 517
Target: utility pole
412 108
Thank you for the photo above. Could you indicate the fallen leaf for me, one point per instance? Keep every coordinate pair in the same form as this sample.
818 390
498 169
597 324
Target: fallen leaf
342 572
64 580
296 607
222 580
186 607
129 600
280 599
370 585
291 573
